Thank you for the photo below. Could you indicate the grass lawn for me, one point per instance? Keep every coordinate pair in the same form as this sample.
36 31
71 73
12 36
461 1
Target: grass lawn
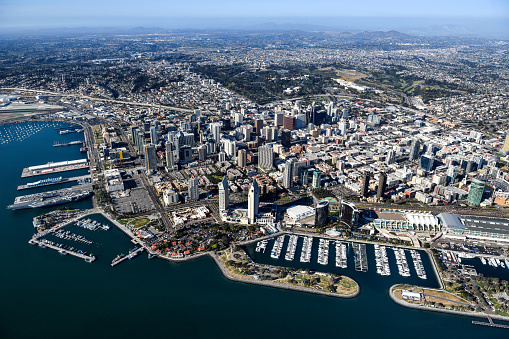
137 223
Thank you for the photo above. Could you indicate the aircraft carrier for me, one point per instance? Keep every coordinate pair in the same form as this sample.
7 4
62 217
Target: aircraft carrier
50 198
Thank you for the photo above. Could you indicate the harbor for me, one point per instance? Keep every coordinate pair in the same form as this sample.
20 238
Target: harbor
82 179
54 167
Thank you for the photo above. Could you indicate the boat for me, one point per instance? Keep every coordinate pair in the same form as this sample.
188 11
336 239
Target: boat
44 182
117 259
483 260
150 255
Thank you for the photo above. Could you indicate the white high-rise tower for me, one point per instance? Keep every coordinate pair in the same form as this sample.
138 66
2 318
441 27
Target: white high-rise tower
253 201
224 197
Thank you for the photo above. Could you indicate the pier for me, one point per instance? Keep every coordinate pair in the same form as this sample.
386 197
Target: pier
77 142
42 243
54 167
490 323
63 181
131 255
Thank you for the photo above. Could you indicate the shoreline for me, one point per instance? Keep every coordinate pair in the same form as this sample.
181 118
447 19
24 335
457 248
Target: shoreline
443 310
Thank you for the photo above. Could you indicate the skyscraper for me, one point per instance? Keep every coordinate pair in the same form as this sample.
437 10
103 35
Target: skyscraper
415 149
242 158
258 125
253 201
288 122
304 177
288 174
476 192
382 183
390 157
153 135
202 153
426 162
150 158
365 185
193 189
321 213
224 195
170 158
265 156
215 129
317 179
286 137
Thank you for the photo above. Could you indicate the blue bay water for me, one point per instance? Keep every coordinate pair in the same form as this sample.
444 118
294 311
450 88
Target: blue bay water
46 295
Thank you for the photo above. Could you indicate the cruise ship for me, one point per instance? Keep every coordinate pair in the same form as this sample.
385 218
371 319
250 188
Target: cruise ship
44 182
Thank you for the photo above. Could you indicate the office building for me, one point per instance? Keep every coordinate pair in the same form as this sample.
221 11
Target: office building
286 137
390 157
193 189
215 129
170 158
426 162
304 177
153 135
150 158
415 149
476 192
253 202
224 195
505 149
202 153
288 122
278 119
258 125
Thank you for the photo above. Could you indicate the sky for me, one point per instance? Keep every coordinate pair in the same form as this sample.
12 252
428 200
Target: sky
193 13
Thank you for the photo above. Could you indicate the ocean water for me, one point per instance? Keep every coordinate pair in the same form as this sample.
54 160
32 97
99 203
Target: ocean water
46 295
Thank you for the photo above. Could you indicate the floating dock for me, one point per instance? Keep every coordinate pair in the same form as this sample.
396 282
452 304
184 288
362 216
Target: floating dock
491 323
54 167
63 181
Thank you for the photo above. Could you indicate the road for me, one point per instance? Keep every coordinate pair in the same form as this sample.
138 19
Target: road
48 93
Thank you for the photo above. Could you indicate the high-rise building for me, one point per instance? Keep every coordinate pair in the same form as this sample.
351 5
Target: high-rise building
390 157
150 158
230 147
476 192
258 125
215 129
246 130
242 158
170 158
415 149
185 154
286 137
253 200
382 183
426 162
224 195
321 213
288 174
278 119
288 122
304 177
317 179
365 185
153 135
451 174
505 149
202 153
265 156
221 156
193 189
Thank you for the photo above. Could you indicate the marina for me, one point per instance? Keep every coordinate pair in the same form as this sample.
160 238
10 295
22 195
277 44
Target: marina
292 247
323 252
382 261
278 246
92 225
401 262
361 257
54 181
419 268
261 246
341 254
54 167
307 245
68 235
62 249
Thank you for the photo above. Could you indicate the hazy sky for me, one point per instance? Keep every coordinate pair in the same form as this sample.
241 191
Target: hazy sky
58 13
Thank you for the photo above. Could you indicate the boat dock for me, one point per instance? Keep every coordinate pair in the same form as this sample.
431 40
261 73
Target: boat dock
49 244
63 181
120 258
77 142
490 323
54 167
